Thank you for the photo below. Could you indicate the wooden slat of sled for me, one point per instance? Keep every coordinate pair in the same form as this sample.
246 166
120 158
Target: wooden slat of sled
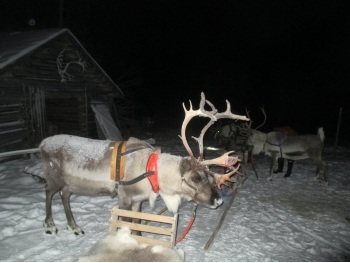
168 226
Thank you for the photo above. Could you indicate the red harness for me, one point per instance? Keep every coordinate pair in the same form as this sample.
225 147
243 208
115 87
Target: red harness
152 167
118 166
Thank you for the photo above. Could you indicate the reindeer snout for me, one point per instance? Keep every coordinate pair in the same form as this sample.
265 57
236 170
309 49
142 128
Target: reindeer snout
217 203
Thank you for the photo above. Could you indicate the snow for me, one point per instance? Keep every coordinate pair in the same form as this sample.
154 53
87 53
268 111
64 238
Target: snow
14 49
92 149
293 219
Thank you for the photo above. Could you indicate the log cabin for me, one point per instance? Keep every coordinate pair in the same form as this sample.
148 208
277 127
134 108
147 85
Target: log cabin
50 84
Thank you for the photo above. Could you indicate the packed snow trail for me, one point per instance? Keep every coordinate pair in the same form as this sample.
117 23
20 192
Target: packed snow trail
293 219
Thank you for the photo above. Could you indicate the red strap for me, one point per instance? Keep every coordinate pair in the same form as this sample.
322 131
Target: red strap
152 167
188 227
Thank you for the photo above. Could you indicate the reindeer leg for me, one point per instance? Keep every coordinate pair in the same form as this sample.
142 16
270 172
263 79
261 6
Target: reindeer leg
49 224
125 207
126 203
131 207
290 166
280 166
325 171
320 165
137 208
72 226
274 157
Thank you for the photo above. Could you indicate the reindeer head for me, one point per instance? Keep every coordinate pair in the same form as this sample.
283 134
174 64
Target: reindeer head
227 160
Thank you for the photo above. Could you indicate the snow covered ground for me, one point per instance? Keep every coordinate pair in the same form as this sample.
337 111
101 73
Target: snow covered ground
294 219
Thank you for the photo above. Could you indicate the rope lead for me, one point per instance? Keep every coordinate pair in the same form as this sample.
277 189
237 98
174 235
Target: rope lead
188 227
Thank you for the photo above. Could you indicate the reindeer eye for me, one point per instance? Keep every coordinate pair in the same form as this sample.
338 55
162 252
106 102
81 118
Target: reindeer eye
196 178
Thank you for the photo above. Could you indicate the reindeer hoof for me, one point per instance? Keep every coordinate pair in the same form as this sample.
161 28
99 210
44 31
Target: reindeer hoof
269 178
76 230
50 232
50 229
324 183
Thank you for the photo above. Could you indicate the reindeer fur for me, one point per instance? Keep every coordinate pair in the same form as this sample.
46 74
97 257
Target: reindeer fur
122 247
76 165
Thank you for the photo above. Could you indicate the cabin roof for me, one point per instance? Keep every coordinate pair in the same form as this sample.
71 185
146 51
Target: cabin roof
16 45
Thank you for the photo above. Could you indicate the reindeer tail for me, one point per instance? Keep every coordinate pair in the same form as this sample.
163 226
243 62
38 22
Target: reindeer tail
320 133
36 170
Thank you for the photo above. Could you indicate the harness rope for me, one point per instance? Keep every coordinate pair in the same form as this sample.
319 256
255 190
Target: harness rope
188 227
281 142
191 221
118 165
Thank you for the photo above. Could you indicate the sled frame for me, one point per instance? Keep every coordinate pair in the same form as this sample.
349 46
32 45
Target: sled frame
167 226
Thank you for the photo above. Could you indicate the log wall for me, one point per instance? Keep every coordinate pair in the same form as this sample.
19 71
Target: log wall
36 103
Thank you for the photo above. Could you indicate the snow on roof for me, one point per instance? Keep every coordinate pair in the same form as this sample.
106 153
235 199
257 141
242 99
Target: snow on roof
15 45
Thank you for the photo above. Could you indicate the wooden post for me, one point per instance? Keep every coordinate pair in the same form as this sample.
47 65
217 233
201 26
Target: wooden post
338 129
19 152
216 230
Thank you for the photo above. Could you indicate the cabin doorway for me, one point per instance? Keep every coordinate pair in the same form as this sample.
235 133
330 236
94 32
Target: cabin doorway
37 113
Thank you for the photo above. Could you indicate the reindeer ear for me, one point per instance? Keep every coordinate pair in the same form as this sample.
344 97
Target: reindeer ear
185 165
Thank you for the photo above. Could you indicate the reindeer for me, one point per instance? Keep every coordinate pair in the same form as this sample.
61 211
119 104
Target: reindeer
223 133
297 147
231 136
76 165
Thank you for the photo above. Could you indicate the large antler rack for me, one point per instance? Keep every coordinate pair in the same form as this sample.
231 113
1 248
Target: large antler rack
225 160
201 112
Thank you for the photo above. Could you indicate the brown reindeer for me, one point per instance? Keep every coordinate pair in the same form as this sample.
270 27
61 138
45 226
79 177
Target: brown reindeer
76 165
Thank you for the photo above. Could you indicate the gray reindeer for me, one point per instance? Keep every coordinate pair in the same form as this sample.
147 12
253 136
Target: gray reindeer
276 144
133 170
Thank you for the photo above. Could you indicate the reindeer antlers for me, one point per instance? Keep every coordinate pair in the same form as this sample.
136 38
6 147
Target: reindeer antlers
247 128
225 160
62 70
220 179
265 117
201 112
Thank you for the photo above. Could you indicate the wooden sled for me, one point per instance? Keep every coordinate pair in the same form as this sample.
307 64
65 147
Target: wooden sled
165 230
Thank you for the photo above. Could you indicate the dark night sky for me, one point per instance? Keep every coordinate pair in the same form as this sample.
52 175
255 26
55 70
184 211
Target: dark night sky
293 57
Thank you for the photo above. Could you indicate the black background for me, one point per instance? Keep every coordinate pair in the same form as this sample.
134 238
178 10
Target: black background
293 57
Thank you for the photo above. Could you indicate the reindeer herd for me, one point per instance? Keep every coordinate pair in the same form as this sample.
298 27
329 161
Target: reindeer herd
282 143
134 171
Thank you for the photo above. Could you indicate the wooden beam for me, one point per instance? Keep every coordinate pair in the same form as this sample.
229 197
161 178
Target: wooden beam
18 152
